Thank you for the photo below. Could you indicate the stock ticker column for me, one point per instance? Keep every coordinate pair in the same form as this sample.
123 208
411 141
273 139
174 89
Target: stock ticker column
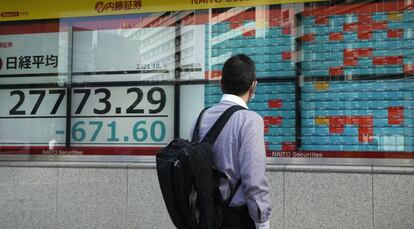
358 62
270 43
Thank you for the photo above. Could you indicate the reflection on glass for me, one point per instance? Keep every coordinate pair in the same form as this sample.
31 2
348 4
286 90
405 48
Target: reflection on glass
33 52
124 49
266 34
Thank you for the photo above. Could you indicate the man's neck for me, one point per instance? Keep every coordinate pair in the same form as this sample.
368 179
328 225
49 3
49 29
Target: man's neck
245 97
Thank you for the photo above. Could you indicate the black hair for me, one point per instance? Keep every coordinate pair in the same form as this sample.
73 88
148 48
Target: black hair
239 73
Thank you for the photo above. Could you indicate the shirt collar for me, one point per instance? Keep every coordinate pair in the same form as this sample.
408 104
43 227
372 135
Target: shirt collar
235 99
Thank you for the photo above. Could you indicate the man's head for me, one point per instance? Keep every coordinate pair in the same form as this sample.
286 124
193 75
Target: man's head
238 75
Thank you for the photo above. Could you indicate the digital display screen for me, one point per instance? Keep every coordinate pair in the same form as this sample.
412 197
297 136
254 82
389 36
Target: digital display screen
32 118
122 116
334 80
358 116
371 39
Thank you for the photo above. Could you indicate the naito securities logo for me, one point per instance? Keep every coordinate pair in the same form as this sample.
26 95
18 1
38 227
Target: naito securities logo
113 6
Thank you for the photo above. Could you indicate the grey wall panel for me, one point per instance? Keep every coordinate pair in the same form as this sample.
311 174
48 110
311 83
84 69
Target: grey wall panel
146 208
328 200
28 197
393 201
128 196
92 198
275 180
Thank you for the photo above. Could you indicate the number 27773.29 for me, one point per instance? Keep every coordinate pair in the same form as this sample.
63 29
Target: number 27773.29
155 96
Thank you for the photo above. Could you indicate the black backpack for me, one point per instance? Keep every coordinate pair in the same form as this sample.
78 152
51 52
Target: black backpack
189 181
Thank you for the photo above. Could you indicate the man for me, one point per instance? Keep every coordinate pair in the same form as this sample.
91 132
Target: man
239 149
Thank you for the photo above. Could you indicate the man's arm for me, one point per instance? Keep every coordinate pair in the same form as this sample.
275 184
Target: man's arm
252 161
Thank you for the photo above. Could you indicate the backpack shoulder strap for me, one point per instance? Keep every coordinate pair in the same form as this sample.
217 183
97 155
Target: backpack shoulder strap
233 192
196 131
214 132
